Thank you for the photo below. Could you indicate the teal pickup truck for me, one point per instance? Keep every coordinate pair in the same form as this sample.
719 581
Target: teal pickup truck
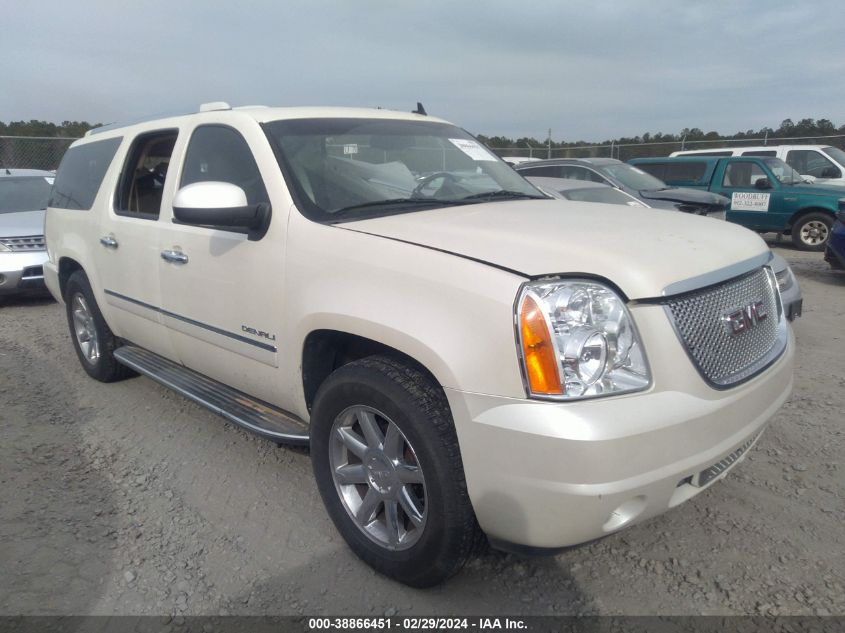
766 194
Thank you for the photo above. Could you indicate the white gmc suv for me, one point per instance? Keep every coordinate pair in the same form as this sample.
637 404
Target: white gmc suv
464 356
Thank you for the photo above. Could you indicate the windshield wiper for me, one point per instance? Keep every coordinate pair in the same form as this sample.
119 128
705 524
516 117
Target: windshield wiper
502 193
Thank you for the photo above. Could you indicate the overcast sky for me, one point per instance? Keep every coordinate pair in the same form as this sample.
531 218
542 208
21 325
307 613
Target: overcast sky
587 70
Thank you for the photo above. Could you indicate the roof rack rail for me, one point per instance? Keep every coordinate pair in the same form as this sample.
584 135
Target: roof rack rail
143 119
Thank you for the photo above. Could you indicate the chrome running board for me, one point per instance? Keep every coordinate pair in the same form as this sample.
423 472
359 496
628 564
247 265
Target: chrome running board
254 415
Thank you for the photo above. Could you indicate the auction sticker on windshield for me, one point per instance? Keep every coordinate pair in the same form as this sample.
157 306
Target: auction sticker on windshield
471 148
747 201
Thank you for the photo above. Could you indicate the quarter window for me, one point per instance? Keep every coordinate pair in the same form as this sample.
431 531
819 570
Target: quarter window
219 153
142 180
81 173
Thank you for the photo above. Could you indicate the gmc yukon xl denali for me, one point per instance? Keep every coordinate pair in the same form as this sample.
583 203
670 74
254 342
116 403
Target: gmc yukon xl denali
463 356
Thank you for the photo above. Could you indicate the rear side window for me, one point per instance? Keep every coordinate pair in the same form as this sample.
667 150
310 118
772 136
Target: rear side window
548 171
219 153
760 152
142 179
81 173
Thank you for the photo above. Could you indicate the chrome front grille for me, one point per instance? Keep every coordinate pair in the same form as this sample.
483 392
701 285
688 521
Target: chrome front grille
732 330
24 243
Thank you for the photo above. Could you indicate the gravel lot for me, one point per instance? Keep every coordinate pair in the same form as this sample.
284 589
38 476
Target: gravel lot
128 499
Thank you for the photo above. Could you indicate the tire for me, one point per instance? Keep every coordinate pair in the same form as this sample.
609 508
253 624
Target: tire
410 425
811 231
92 339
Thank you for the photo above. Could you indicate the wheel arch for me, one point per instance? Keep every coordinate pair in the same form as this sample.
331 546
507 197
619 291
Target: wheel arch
67 266
325 350
806 211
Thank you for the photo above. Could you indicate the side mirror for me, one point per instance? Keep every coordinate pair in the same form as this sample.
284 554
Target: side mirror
220 205
763 183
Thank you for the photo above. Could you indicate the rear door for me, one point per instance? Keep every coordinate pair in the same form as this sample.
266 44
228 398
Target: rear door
222 294
126 254
759 209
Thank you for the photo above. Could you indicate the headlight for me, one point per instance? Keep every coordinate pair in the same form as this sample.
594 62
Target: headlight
577 340
785 279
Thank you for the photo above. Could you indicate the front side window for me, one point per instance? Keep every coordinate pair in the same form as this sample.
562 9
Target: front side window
81 173
347 169
24 193
219 153
809 162
141 184
742 174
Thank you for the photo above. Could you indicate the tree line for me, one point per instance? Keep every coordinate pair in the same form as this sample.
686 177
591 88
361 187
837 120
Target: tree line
65 129
692 136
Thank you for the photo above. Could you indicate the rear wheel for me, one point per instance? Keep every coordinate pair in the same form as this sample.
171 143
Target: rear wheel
388 467
811 232
92 339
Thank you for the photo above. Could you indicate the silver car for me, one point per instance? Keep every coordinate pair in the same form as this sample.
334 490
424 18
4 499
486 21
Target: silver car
23 198
586 191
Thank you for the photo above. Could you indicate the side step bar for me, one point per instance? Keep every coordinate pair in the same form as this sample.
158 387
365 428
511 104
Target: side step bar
254 415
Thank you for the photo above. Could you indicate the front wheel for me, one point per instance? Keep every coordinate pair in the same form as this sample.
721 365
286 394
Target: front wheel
388 467
811 232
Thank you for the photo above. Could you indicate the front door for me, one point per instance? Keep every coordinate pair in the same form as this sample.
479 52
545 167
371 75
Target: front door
752 207
222 293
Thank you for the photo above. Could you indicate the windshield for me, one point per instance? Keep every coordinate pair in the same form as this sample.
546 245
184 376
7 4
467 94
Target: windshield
632 177
601 194
24 193
349 169
836 154
783 172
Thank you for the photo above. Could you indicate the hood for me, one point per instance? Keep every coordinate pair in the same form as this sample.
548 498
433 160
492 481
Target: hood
814 189
22 223
641 250
688 196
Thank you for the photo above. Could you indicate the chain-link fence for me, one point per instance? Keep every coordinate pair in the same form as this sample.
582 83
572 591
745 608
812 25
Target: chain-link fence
626 151
39 152
32 152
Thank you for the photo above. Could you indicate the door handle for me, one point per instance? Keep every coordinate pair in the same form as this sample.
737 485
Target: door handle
108 241
175 257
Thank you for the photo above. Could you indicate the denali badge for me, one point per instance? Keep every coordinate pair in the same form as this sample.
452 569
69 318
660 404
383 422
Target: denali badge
262 333
744 319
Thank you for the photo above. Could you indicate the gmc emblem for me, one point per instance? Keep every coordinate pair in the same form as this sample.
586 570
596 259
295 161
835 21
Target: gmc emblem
744 319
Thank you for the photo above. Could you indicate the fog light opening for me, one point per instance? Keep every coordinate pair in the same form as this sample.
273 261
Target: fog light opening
625 514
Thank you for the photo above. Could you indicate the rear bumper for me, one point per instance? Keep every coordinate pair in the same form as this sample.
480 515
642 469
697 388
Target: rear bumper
547 475
22 272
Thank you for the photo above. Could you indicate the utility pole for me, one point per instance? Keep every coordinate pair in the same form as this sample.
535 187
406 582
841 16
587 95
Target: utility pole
550 143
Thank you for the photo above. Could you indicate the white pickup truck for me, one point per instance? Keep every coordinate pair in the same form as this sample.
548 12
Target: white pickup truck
464 356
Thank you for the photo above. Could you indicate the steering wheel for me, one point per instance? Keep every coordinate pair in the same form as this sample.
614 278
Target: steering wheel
425 180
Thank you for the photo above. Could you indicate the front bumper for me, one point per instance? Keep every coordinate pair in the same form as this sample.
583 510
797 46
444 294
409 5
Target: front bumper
22 272
834 253
550 475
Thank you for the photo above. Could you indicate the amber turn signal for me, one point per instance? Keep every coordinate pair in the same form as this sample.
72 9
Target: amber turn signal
540 362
